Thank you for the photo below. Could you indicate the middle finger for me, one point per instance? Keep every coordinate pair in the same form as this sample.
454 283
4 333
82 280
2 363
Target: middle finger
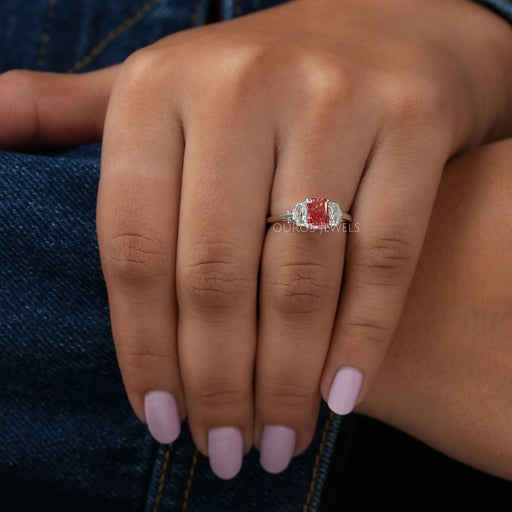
228 167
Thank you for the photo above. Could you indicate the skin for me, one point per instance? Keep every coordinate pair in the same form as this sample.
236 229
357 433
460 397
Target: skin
244 117
447 376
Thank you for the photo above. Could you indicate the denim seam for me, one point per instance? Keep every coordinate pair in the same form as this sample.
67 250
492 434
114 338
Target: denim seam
191 474
317 462
45 36
161 482
114 34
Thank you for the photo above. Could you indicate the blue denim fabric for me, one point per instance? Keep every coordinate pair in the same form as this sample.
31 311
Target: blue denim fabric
69 440
502 7
60 35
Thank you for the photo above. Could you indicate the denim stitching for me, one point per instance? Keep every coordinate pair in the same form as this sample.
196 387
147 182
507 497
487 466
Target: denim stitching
45 36
120 29
161 482
191 474
317 462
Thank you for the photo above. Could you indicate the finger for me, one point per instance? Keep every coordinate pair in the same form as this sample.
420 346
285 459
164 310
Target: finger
392 209
53 110
137 219
228 169
300 281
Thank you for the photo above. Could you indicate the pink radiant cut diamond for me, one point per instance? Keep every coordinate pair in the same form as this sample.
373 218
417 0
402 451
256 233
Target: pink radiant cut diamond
318 213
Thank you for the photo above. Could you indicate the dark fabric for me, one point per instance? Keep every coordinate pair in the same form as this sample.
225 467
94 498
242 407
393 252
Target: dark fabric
374 463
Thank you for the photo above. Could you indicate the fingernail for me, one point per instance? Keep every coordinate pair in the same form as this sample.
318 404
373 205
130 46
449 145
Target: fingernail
277 447
345 390
162 416
226 451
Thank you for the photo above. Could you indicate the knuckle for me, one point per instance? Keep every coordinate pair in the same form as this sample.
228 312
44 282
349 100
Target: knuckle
287 394
368 333
290 400
383 260
299 288
330 86
212 280
414 101
237 88
149 65
134 256
142 363
326 88
143 348
239 69
139 365
217 394
234 88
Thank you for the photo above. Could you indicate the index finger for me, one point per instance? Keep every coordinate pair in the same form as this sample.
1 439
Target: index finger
137 219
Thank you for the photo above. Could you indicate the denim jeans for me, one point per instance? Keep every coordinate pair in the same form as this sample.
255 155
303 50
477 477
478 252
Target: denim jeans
68 438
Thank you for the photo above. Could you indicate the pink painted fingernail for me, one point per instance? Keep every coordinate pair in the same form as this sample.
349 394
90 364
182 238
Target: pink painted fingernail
162 416
226 451
277 447
345 390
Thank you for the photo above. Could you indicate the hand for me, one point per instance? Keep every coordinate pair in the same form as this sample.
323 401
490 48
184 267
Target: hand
207 130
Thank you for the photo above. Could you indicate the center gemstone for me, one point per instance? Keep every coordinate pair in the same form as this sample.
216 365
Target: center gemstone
318 213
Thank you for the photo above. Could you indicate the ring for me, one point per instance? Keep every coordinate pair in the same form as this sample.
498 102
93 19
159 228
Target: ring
315 213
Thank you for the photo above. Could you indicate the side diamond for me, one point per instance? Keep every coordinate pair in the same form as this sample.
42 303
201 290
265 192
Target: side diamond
300 214
334 214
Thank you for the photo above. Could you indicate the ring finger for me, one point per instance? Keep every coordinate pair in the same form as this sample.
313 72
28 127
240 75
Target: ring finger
299 287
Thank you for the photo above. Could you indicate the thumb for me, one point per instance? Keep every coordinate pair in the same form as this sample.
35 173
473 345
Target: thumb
52 110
